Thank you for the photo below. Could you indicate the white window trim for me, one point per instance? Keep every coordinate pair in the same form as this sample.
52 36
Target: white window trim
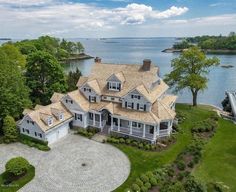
112 83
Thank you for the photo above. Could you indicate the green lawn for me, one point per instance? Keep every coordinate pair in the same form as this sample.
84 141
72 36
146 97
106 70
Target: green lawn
16 185
142 161
219 157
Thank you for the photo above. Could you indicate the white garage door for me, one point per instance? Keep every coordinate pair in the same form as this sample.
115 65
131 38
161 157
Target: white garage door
58 133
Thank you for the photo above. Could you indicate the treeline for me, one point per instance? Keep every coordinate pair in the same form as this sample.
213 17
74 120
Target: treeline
60 49
30 71
209 42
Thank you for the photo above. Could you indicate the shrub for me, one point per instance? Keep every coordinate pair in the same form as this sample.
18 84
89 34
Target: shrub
150 174
196 159
122 140
191 164
148 185
144 178
128 141
134 143
140 145
153 181
17 166
10 130
139 182
191 185
135 187
181 165
144 189
180 176
147 147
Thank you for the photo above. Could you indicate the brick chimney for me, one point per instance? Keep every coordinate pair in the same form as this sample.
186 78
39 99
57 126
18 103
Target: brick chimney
146 64
97 60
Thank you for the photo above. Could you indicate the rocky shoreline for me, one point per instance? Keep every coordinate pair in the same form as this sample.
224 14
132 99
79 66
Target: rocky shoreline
81 56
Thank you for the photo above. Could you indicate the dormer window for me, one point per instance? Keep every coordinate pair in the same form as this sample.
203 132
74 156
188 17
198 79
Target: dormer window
50 121
113 86
61 117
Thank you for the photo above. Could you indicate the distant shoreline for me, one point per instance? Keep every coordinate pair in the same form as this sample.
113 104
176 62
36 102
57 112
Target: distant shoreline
80 56
210 51
5 39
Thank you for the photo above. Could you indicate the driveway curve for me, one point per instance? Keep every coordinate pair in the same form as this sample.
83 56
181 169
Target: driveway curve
74 164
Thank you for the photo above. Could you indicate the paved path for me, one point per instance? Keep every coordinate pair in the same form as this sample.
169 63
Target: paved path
74 164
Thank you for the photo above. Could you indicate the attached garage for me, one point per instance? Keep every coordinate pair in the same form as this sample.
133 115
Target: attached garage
57 133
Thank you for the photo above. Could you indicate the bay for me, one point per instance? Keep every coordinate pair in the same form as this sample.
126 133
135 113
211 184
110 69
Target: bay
134 50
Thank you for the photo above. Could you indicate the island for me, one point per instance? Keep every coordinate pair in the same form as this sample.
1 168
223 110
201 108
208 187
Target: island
209 44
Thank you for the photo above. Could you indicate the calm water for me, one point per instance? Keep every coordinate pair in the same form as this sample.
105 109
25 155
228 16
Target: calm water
136 49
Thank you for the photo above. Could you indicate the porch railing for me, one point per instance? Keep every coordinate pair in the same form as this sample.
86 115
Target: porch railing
163 133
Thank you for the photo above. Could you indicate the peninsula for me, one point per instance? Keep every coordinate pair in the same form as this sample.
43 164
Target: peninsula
209 44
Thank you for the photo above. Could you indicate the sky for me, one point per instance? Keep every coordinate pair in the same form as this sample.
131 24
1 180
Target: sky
116 18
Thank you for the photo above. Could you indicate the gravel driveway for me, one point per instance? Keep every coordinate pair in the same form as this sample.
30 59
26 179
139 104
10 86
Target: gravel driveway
74 164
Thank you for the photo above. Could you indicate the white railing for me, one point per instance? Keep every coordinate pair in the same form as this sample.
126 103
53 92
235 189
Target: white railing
163 133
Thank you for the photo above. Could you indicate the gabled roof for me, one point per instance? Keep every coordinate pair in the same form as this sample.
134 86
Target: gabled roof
79 98
119 76
94 85
131 75
41 115
56 97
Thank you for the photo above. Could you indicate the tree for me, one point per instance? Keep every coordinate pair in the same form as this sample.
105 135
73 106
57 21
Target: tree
190 71
44 75
17 166
10 130
72 79
14 55
14 93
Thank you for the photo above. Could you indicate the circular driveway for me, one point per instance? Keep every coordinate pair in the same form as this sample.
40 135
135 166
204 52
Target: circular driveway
74 164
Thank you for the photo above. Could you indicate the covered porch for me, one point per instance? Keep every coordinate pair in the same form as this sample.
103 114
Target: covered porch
141 130
96 119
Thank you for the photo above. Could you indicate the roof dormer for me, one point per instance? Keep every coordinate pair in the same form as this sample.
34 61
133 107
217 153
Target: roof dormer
46 118
59 114
115 81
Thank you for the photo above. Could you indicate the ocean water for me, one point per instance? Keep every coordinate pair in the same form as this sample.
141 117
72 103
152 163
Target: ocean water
134 50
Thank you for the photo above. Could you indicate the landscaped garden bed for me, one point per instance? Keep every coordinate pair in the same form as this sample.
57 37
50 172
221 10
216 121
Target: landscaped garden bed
31 142
88 132
143 145
180 159
18 173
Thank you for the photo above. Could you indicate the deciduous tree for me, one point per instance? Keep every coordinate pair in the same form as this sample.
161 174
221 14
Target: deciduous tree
190 72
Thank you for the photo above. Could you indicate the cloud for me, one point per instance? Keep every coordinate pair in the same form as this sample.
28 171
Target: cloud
52 16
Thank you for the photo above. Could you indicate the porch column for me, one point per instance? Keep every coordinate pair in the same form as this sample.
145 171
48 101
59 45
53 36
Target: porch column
118 124
169 127
155 133
111 122
131 128
158 129
93 119
100 118
144 129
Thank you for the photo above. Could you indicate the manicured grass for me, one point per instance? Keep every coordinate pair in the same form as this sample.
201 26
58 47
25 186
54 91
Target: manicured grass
142 161
219 157
16 185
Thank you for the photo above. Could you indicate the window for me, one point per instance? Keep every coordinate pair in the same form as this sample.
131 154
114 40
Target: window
28 121
87 89
40 135
71 101
92 98
135 96
61 116
104 97
35 134
115 86
66 101
50 121
23 129
134 124
78 117
27 130
151 129
112 98
129 105
32 122
91 116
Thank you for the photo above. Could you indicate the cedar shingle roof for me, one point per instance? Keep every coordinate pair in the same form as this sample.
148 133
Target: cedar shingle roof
42 113
132 76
